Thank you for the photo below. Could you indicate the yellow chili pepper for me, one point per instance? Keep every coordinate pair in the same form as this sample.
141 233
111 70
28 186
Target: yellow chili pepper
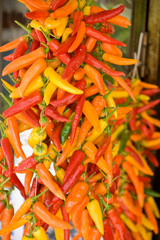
147 224
142 97
128 223
28 238
48 92
60 173
37 25
55 78
40 234
60 29
66 34
60 70
82 3
88 81
115 149
148 85
54 64
154 121
111 103
95 212
150 143
52 155
116 133
154 206
59 233
87 10
36 84
40 149
36 136
95 133
51 23
135 82
150 234
7 85
119 94
142 232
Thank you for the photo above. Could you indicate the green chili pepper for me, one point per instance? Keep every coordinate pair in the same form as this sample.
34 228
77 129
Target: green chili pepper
152 193
66 130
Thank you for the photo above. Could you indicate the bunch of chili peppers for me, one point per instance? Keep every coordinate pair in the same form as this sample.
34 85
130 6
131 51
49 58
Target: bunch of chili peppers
97 129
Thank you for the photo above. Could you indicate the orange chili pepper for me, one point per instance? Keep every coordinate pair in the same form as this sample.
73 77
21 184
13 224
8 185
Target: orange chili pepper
42 5
6 219
130 206
65 10
94 234
79 38
1 153
90 43
112 49
27 181
108 159
90 91
79 74
12 45
151 216
118 60
85 224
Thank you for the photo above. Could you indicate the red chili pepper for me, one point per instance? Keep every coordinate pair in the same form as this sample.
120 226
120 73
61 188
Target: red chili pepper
76 61
145 131
9 57
120 101
7 150
128 213
77 18
117 222
76 118
32 117
66 219
75 161
98 64
151 157
119 122
102 149
34 45
144 179
148 106
57 3
150 92
30 163
104 15
24 104
63 48
134 155
130 187
53 46
108 233
150 125
16 182
53 113
91 32
2 206
69 98
47 198
38 14
56 139
34 188
132 121
109 29
41 37
34 35
19 51
49 128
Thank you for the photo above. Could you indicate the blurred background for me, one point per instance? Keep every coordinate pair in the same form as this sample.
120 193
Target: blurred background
144 16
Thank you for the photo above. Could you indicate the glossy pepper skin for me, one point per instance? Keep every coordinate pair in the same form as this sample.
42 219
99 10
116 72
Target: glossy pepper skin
40 234
36 136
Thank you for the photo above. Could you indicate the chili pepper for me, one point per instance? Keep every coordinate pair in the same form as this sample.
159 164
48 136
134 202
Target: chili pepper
150 125
34 45
94 234
132 121
108 28
104 15
40 149
145 131
9 57
151 216
126 201
24 61
57 80
77 211
108 159
65 10
27 181
134 155
75 62
63 48
85 224
19 51
100 65
148 106
148 85
108 232
79 74
13 127
34 188
60 173
38 15
154 207
47 180
66 130
102 148
30 163
118 60
40 233
59 233
77 18
67 149
24 104
131 226
91 32
6 219
36 136
125 86
153 121
57 3
66 34
150 92
118 224
56 139
53 113
147 224
7 151
66 219
11 45
77 194
39 4
112 49
54 45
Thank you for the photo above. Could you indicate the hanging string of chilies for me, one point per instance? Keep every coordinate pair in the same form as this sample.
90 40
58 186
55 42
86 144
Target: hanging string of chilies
98 129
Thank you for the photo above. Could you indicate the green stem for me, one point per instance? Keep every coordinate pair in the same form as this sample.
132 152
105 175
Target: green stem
2 130
6 99
12 78
2 183
22 26
47 38
90 177
107 206
103 173
36 197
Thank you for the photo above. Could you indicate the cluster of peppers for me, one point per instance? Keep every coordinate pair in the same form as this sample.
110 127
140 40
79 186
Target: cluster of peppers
95 127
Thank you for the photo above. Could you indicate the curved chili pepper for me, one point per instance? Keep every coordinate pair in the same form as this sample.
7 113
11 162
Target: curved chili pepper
6 219
38 14
57 3
109 29
132 120
150 125
145 131
24 104
104 15
102 148
100 65
77 18
134 155
11 45
63 48
66 219
56 139
34 35
108 232
150 92
53 113
65 10
30 163
34 45
151 157
91 32
32 117
76 61
148 106
34 188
